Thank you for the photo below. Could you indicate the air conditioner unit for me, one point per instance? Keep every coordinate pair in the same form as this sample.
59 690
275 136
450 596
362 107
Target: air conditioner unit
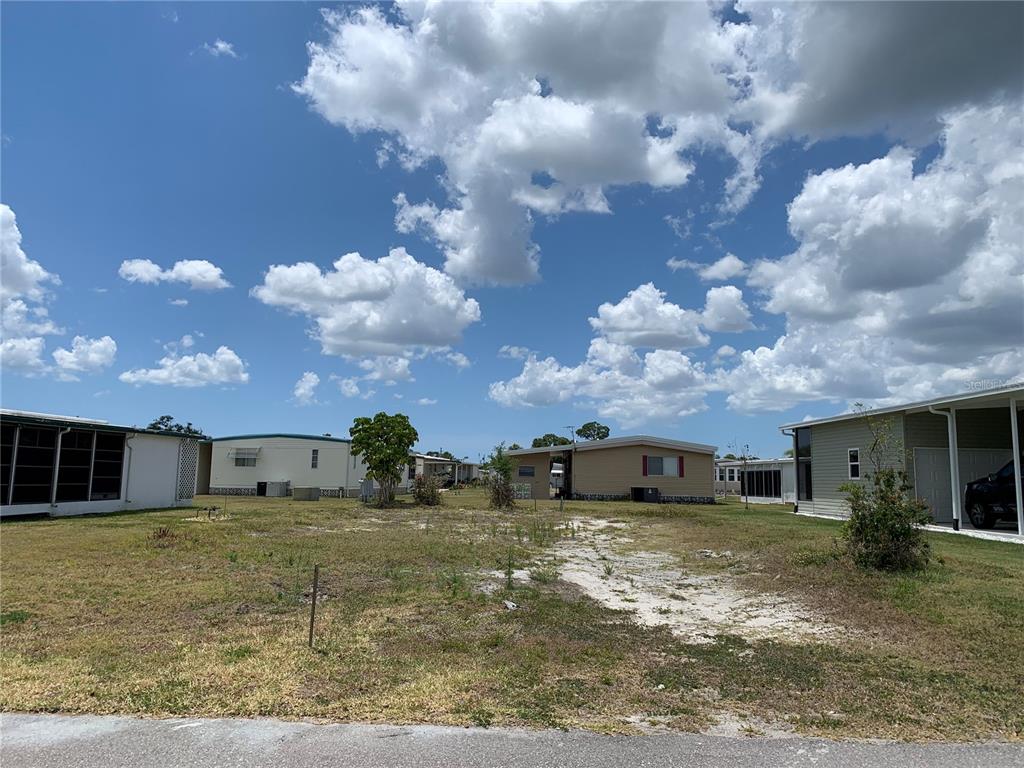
279 488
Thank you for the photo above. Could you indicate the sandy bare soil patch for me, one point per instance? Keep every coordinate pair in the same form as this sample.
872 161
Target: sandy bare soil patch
697 608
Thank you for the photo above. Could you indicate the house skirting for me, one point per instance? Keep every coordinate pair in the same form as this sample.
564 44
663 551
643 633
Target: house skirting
224 491
626 497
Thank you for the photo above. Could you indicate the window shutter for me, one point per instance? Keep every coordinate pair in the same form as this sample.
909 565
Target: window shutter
682 468
645 464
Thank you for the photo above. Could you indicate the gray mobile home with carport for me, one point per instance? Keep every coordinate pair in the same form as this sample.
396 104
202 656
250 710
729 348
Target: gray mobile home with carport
942 444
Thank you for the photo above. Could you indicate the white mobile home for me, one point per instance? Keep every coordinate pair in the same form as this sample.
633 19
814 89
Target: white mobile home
759 481
274 464
64 465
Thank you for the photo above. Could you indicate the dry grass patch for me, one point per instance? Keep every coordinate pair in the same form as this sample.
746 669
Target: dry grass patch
174 613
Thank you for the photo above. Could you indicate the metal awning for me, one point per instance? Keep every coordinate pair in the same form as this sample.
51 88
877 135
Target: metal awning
244 453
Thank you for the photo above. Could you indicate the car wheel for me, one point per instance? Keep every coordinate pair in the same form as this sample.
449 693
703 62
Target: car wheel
980 516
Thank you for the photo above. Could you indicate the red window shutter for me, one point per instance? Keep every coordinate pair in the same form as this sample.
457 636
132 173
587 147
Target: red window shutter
645 465
682 468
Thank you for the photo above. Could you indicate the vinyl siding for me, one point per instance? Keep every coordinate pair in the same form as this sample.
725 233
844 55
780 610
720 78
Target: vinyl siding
613 471
285 459
540 483
829 463
976 429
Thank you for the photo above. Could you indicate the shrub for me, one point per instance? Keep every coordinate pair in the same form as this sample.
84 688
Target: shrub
884 530
501 491
426 491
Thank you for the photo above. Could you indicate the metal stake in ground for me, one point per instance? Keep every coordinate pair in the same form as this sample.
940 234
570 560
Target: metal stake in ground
312 602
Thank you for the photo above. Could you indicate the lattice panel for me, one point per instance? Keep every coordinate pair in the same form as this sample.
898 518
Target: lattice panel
188 466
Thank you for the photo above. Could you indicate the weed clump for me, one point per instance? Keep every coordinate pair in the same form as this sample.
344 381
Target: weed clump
426 491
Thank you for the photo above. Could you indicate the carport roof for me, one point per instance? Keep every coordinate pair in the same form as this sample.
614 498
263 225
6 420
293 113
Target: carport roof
620 442
979 398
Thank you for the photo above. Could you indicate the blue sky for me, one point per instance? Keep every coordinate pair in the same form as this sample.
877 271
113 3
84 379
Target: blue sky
130 134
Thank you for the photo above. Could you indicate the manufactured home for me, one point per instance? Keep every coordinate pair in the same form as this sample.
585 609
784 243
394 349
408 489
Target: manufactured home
759 481
640 467
65 465
274 464
943 445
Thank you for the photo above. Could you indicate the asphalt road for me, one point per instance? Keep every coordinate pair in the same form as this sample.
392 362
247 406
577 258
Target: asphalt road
62 741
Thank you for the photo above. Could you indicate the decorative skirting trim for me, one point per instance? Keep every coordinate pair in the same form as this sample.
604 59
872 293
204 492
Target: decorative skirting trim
626 497
217 491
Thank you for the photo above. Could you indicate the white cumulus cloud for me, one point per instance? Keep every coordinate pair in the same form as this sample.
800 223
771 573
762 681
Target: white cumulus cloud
726 268
304 390
224 366
502 92
85 356
387 311
198 274
220 48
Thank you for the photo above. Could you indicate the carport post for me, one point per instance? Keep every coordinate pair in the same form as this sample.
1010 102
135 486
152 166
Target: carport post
954 461
1014 433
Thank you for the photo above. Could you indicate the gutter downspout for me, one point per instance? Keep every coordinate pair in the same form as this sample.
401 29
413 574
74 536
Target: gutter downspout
796 469
954 461
348 465
1015 435
128 468
56 465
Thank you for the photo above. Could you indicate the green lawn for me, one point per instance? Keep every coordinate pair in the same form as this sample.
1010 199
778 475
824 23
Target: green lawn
154 613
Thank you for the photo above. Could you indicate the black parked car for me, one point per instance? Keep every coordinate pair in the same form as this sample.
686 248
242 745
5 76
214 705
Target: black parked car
992 498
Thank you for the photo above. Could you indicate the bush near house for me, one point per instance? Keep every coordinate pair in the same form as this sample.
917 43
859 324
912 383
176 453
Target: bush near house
426 490
884 530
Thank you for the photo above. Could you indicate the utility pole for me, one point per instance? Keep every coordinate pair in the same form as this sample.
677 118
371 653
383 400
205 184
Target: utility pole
572 431
744 455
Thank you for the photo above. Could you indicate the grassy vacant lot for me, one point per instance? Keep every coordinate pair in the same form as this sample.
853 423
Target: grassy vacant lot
155 613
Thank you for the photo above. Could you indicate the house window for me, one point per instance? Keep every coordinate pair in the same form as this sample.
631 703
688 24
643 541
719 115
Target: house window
732 474
721 474
803 464
315 460
527 471
853 457
245 461
665 466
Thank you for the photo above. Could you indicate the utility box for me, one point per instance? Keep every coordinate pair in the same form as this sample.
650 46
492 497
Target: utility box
649 495
300 493
279 488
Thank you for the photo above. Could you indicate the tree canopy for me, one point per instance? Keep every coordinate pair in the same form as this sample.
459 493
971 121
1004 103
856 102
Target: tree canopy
384 443
443 455
166 423
550 439
593 430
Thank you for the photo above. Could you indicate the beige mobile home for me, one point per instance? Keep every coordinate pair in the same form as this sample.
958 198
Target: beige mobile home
641 468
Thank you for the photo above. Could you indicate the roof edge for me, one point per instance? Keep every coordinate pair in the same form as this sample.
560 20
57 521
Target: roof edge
1008 390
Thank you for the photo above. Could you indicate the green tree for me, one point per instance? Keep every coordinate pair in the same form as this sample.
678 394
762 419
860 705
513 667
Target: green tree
515 447
550 439
593 430
788 453
166 423
384 443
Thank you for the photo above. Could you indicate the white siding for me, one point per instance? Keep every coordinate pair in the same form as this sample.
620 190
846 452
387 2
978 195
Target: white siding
149 480
286 458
